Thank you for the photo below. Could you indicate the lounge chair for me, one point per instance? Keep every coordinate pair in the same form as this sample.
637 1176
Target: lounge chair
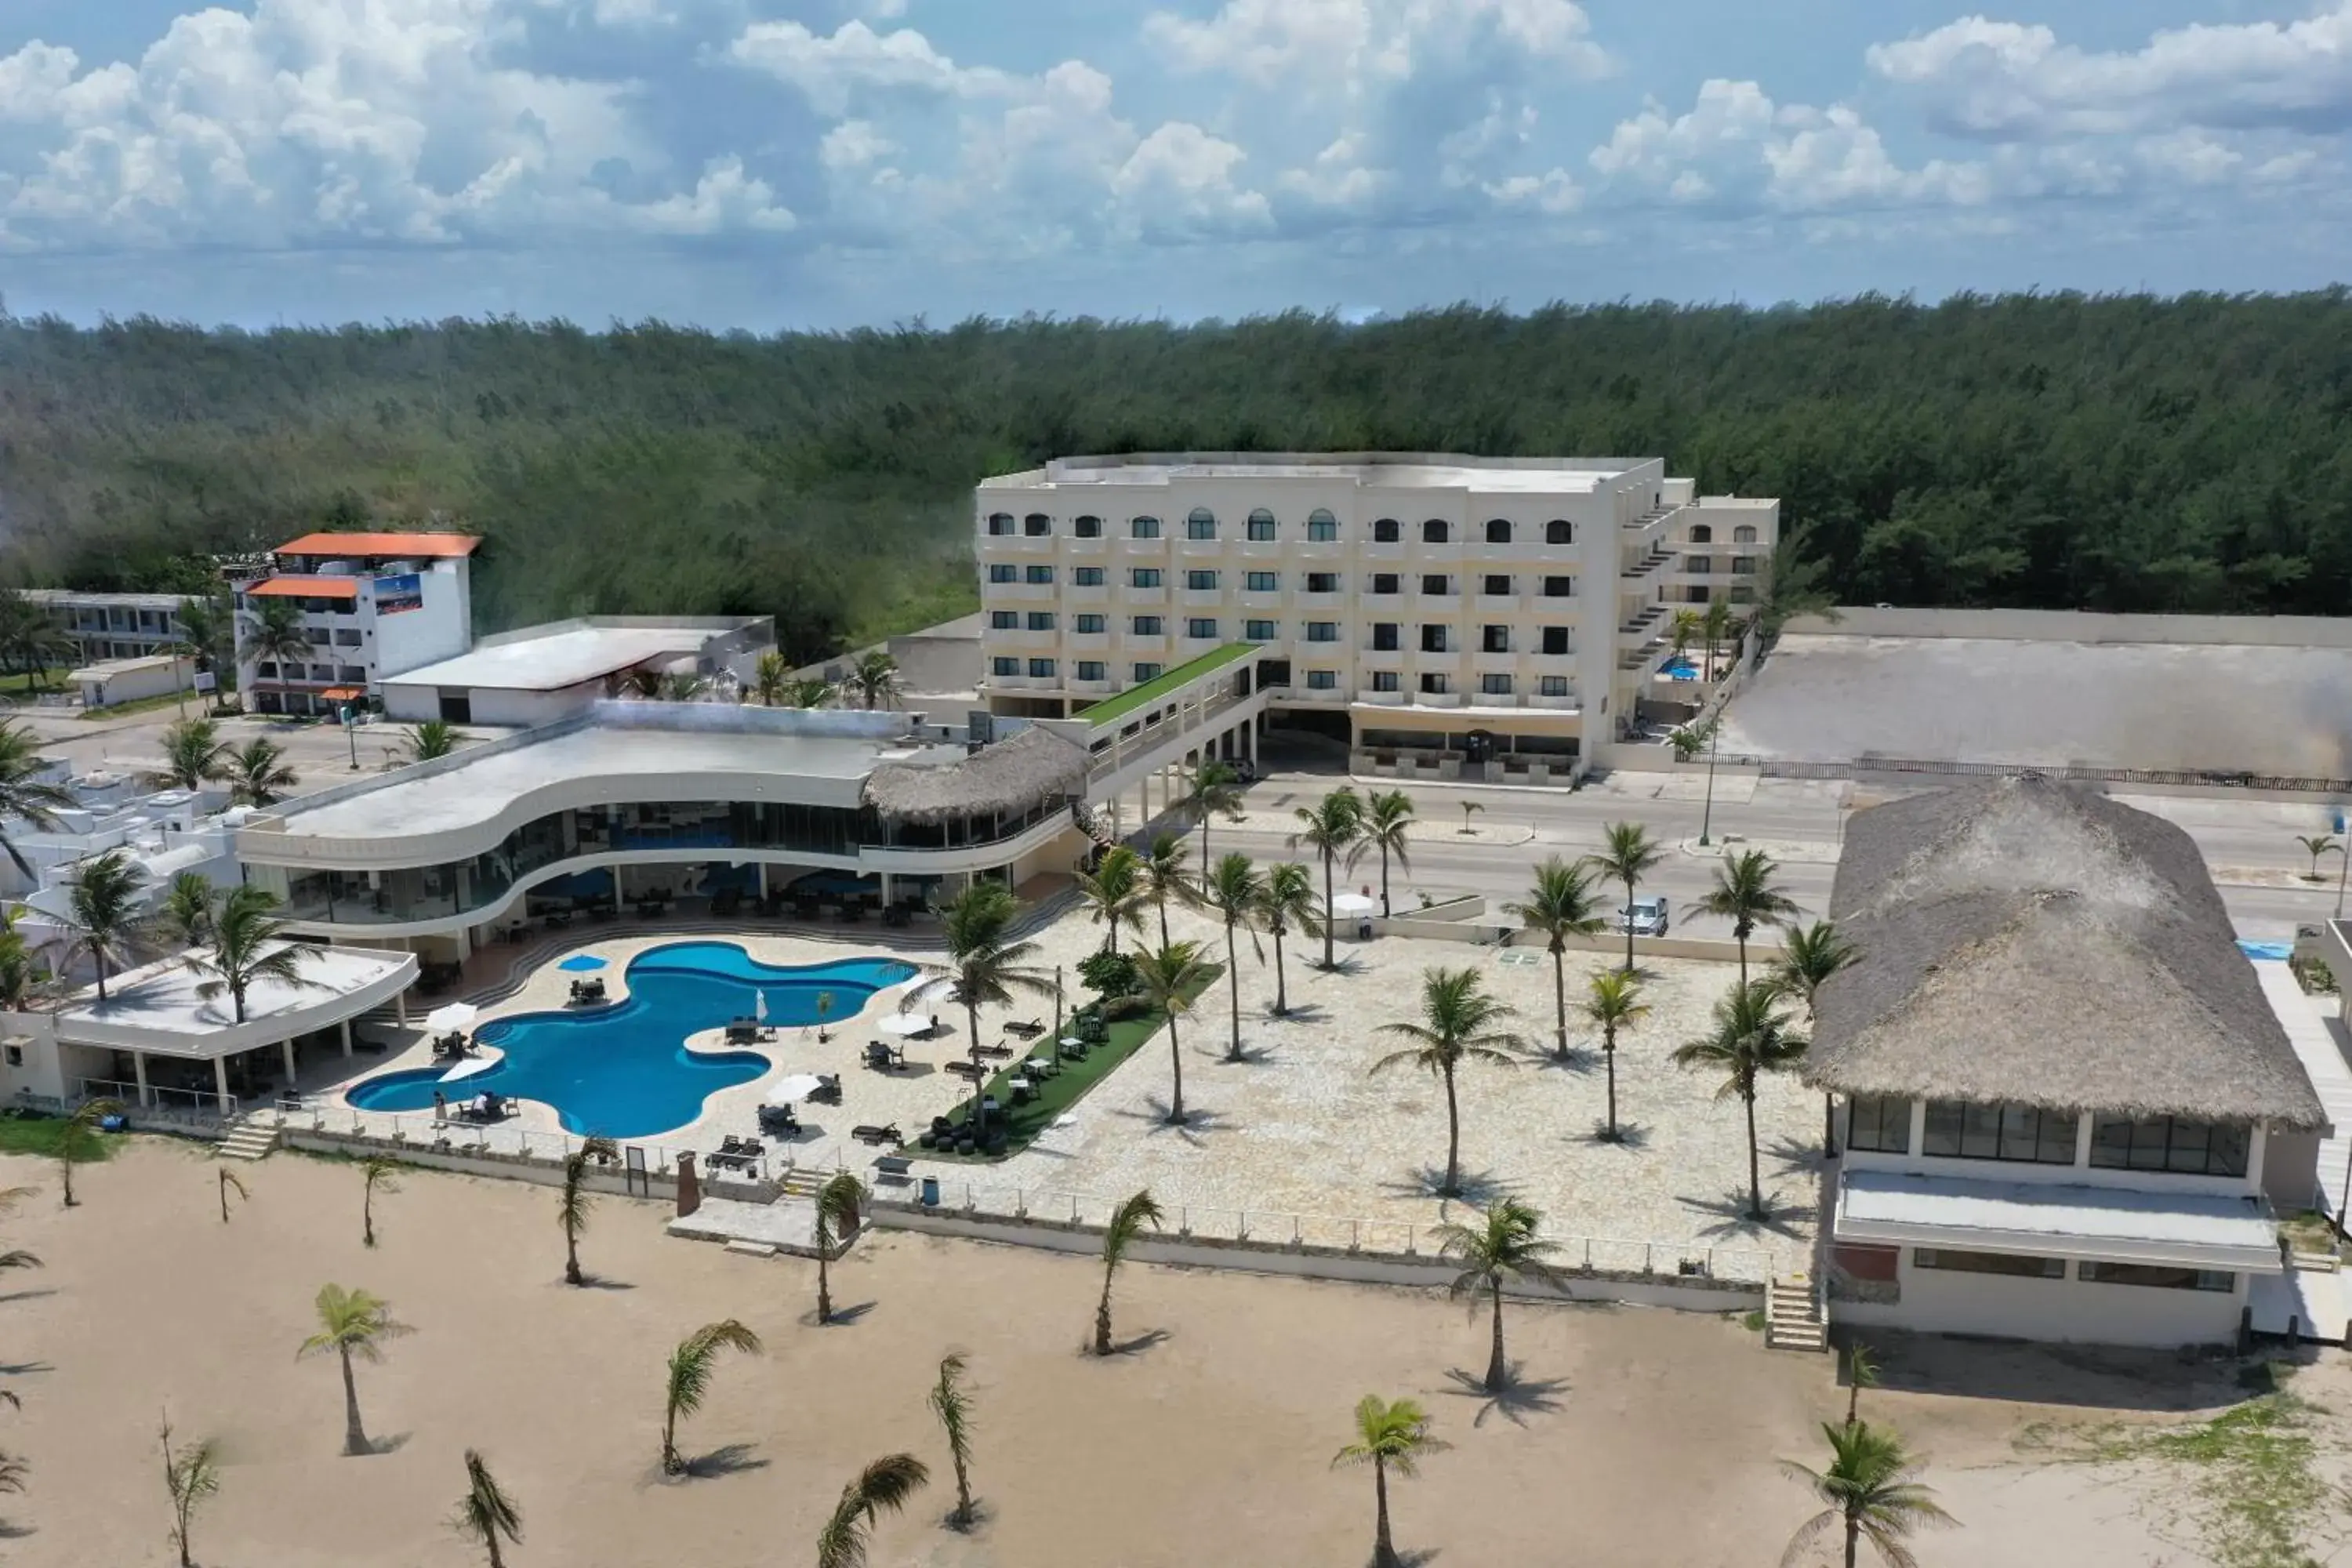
1028 1031
872 1134
1000 1053
828 1088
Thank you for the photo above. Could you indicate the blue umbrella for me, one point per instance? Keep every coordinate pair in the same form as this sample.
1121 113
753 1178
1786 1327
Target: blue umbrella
580 961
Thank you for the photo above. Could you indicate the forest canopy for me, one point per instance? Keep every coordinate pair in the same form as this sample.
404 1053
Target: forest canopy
2047 451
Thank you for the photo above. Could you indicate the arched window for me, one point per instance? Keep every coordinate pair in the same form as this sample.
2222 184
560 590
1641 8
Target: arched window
1086 527
1743 534
999 522
1143 528
1201 524
1498 531
1559 531
1702 535
1036 525
1436 531
1261 526
1386 530
1322 528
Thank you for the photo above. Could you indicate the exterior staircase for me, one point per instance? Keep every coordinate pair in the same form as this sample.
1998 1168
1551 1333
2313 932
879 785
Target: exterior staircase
248 1140
1091 824
801 1182
1792 1315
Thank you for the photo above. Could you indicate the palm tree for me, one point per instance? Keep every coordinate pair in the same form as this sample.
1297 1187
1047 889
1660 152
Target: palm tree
1171 977
279 638
837 1203
1714 621
1331 828
1215 791
191 907
572 1206
887 1483
684 686
950 1403
1124 1229
1745 894
1467 807
1387 816
1861 1372
192 1476
1613 1002
875 677
1162 876
18 974
1751 1038
1289 902
984 963
257 774
193 756
809 692
1686 628
690 1367
486 1513
352 1323
1234 889
1503 1245
1809 956
1629 856
1457 1020
377 1175
103 908
1113 893
769 677
1389 1436
1560 905
25 795
1870 1496
2316 845
433 739
248 944
230 1183
78 1139
204 629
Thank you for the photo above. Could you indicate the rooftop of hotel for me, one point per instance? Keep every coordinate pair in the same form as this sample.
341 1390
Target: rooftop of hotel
1386 470
382 546
159 1003
549 658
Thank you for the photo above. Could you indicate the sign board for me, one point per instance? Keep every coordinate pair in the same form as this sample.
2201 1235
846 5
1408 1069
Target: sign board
397 595
206 680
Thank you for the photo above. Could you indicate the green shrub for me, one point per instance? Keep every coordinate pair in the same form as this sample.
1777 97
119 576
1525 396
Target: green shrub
1108 974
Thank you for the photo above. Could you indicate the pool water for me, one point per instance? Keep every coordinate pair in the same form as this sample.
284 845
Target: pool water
623 1070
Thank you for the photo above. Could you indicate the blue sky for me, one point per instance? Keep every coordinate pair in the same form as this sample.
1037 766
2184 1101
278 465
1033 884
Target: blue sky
767 163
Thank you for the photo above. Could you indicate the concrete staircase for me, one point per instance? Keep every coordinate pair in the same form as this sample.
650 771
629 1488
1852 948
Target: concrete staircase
801 1182
1792 1320
248 1140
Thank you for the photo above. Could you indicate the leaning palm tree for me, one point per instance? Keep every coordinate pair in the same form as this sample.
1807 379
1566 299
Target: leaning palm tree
258 774
1560 905
1389 1436
985 963
1613 1002
433 739
1233 891
1628 856
1809 956
191 906
1164 874
1457 1020
1126 1227
1113 893
192 1476
1745 894
691 1365
1503 1245
837 1205
1214 789
1870 1496
277 636
204 628
486 1513
886 1484
78 1139
951 1404
105 901
353 1324
25 795
1170 978
572 1206
193 756
249 945
875 678
1288 903
1751 1038
1331 828
769 677
1387 817
1861 1372
377 1175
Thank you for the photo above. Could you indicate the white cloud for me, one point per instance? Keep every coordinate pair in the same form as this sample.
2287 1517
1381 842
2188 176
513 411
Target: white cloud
854 144
855 62
1179 182
1304 46
1555 193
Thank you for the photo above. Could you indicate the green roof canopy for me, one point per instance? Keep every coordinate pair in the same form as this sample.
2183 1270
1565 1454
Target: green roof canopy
1110 711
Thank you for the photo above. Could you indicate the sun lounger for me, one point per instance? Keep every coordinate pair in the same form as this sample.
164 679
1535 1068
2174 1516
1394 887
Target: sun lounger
897 1167
1028 1031
872 1134
997 1053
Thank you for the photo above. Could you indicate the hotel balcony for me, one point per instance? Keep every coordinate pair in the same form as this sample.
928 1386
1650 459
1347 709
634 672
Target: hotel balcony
1259 601
1448 662
1381 699
1266 552
1437 699
1380 657
1089 642
1088 547
1437 604
1202 598
1085 594
999 544
1149 549
1382 552
1132 595
1498 604
1191 648
1549 663
1197 548
1019 638
1137 643
1332 603
1569 702
1034 593
1318 694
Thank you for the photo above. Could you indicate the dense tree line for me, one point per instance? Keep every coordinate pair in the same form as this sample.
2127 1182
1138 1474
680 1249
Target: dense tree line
2052 451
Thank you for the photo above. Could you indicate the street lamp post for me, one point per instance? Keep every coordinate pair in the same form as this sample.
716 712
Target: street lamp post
2344 864
1714 743
352 733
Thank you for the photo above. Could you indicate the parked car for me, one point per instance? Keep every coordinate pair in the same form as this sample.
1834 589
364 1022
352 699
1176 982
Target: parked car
1643 916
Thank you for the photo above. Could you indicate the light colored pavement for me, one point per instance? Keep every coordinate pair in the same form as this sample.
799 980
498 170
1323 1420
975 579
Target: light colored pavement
320 754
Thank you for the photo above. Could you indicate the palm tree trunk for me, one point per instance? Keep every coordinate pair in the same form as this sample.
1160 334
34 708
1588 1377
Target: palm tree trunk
1629 925
1176 1061
99 958
65 1164
971 1022
1609 1054
1853 1539
367 1216
1453 1140
1829 1128
1383 1548
491 1539
1163 919
824 1280
1560 993
1495 1370
1234 981
1755 1183
1740 937
1384 878
1326 921
354 1435
1281 981
1102 1317
570 1257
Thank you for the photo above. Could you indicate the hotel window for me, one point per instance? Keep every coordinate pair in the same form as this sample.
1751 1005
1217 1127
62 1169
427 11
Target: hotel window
1000 523
1702 535
1495 639
1201 524
1259 631
1553 686
1384 680
1041 620
2010 1263
1558 530
1555 641
1743 534
1559 587
1201 627
1036 525
1146 672
1496 587
1698 565
1435 685
1143 528
1091 669
1741 594
1322 528
1004 571
1261 527
1089 625
1436 583
2170 1144
1322 680
1041 574
1262 582
1087 576
1145 625
1087 528
1322 631
1878 1125
1199 581
2154 1276
1436 531
1384 583
1143 577
1004 620
1498 531
1744 564
1959 1129
1494 685
1386 530
1433 640
1384 636
1041 667
1322 582
1003 666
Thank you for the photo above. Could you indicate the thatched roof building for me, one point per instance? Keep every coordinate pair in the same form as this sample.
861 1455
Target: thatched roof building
1006 779
2027 943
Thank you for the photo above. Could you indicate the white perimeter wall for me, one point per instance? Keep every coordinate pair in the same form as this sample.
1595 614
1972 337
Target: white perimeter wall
1945 1300
2081 626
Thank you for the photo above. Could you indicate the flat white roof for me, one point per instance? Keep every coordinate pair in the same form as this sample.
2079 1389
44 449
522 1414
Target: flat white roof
76 597
105 669
156 1006
1409 470
560 659
2043 1218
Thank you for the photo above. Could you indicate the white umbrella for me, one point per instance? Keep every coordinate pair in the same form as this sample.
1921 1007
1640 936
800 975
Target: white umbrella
1348 906
907 1024
470 1067
760 1006
452 1017
797 1086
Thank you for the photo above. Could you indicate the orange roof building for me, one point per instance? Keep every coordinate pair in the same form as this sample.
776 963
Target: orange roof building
382 546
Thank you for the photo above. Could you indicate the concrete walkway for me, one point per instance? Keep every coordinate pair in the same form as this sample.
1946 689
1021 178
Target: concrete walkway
2315 1042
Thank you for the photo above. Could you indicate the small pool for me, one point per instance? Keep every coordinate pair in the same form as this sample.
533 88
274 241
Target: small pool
623 1070
1679 669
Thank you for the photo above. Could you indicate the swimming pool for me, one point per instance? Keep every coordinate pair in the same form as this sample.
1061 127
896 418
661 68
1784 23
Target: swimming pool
623 1070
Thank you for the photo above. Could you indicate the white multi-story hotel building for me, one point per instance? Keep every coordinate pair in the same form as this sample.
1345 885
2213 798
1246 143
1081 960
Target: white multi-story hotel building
374 605
1482 607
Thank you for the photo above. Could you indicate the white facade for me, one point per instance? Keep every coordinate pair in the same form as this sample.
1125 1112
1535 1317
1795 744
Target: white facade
374 605
542 674
1415 599
106 626
115 681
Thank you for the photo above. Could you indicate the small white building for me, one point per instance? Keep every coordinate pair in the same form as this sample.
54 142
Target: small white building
106 626
374 605
113 681
542 674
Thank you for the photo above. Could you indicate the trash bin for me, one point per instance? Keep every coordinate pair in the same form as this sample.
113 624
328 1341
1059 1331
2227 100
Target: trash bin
930 1191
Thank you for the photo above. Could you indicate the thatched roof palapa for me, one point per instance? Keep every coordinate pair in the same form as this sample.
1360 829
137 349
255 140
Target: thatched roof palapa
2026 943
1004 779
